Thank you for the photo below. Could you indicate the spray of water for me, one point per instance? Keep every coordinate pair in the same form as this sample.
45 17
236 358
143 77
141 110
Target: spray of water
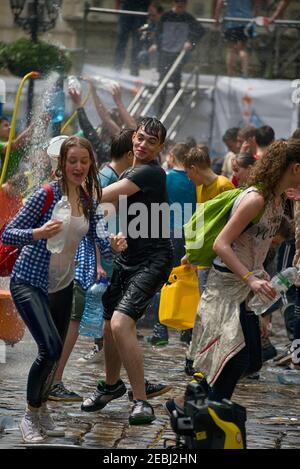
36 158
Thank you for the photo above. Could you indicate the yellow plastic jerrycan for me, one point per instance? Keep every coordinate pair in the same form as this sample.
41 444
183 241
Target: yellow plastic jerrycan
179 298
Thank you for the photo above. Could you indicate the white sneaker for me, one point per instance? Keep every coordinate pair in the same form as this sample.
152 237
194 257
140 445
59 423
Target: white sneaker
94 356
30 428
47 424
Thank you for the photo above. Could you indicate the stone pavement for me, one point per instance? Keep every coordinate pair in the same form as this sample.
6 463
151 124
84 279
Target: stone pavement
273 409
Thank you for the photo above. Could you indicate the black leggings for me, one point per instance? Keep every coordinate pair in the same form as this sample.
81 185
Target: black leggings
47 318
248 360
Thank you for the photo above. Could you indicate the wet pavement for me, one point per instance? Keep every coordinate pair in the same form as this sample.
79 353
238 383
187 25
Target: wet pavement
273 409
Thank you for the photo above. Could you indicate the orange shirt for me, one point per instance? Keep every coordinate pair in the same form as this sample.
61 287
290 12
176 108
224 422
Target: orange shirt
9 206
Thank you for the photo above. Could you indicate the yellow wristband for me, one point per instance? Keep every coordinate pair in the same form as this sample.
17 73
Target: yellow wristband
247 275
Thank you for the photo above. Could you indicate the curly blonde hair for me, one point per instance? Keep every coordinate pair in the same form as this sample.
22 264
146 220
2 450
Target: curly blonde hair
267 172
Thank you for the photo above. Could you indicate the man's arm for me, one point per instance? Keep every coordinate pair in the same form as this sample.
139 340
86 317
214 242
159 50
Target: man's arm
112 192
283 4
127 119
103 112
218 10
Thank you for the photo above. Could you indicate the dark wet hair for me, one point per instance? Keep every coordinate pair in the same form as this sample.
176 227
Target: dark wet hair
231 134
264 136
91 187
121 144
153 127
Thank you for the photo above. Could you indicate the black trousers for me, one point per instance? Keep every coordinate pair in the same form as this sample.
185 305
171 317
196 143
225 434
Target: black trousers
47 318
248 360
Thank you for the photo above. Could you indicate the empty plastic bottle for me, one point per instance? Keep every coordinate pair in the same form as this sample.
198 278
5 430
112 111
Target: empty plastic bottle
281 282
92 319
74 84
58 106
62 211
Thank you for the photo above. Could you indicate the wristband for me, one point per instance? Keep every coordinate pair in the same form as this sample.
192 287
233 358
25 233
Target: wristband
247 275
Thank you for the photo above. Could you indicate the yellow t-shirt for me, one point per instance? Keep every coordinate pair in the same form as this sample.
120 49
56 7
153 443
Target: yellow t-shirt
219 184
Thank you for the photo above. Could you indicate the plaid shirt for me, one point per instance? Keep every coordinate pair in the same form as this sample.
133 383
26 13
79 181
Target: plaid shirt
85 260
32 264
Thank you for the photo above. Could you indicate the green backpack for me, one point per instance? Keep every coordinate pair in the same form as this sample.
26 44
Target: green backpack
206 223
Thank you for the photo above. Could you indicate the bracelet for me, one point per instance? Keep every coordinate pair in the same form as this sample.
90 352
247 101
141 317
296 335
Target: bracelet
247 275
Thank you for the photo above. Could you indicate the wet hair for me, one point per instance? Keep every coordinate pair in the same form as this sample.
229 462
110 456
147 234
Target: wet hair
247 132
180 150
267 172
198 156
231 134
296 133
121 144
153 126
264 136
92 187
245 159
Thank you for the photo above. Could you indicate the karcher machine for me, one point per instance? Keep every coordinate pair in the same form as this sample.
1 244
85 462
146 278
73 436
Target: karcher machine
207 424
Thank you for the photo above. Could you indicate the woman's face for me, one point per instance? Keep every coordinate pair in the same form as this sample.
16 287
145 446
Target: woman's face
78 163
240 173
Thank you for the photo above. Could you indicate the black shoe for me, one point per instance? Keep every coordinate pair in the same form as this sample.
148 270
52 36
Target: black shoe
186 336
59 392
170 406
189 369
141 413
103 396
152 390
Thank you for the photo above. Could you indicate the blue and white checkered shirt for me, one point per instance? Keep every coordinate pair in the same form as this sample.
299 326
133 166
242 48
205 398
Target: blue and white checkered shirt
32 264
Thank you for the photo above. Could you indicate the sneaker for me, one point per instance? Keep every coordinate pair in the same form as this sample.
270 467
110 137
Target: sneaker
47 424
282 354
170 406
30 428
58 392
157 341
94 356
189 369
286 359
103 396
141 413
152 390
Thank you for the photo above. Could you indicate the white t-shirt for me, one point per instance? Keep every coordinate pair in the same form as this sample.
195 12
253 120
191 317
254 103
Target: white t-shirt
62 265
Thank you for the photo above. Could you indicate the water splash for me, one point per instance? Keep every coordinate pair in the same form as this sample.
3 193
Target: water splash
36 160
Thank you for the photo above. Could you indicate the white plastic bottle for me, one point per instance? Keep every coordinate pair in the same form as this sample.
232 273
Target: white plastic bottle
62 211
281 282
74 84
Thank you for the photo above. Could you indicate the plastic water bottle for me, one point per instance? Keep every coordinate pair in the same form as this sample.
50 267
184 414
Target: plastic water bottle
281 282
62 211
58 106
105 83
92 318
74 84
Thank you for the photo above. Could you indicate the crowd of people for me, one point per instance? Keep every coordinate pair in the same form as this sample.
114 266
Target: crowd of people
131 159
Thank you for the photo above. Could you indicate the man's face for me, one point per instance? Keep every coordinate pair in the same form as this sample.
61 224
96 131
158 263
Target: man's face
145 147
180 7
4 130
153 14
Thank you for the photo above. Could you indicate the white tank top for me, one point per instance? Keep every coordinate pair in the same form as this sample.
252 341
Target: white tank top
62 265
252 246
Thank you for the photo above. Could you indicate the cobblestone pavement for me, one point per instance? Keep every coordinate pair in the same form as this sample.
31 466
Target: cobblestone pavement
273 409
